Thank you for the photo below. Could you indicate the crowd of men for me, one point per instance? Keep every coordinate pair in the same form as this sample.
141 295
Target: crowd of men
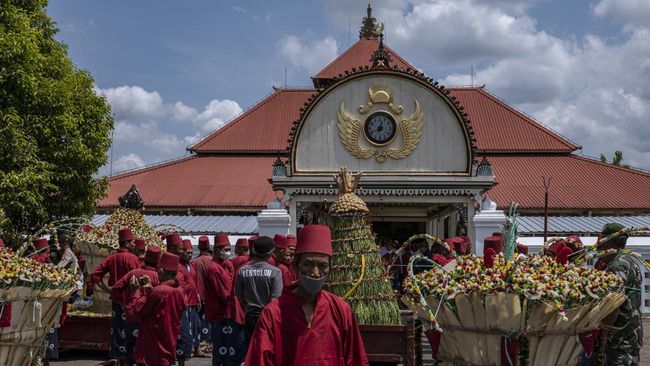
262 306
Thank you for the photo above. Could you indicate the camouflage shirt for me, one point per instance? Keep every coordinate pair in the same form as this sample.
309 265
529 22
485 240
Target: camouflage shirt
625 341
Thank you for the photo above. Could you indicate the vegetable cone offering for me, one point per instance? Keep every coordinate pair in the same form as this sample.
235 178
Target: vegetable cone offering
531 301
357 273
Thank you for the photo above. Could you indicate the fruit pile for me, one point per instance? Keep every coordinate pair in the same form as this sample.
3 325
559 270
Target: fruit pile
16 271
106 236
533 277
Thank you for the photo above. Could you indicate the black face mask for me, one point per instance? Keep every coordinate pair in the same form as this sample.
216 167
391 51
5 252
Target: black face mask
310 284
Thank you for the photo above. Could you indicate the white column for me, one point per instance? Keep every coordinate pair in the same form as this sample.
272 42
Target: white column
486 222
273 220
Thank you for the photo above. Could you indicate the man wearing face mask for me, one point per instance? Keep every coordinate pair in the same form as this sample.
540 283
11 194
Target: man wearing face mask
222 253
257 283
306 325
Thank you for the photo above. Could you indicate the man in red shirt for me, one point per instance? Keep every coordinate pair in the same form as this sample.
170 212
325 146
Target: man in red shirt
222 253
218 286
241 254
125 288
159 310
306 325
117 265
283 258
201 262
187 281
139 248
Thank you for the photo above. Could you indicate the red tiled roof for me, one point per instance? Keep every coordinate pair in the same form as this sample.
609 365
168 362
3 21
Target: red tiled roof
358 54
263 128
498 127
199 181
577 183
501 128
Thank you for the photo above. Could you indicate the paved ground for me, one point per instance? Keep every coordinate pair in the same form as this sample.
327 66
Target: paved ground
78 358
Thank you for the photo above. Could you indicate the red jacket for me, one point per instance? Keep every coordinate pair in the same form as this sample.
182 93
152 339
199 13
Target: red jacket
239 261
282 336
159 311
121 291
288 277
117 265
187 279
201 263
218 286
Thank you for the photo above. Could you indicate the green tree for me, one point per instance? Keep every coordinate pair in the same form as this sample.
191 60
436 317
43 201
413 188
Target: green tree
617 159
54 127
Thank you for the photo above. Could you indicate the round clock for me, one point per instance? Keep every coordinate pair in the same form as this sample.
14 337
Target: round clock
380 128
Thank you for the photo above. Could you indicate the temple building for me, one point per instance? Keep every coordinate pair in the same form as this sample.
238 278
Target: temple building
434 159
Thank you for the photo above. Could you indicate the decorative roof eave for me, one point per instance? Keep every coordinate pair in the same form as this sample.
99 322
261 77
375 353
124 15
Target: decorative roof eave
394 70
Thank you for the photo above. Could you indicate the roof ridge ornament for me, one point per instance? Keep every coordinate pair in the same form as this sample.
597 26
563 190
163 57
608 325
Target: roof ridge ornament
381 57
370 29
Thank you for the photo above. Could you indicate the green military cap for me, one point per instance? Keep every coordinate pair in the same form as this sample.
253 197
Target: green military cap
611 228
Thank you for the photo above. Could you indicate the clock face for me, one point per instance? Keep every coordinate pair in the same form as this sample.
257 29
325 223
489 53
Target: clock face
380 128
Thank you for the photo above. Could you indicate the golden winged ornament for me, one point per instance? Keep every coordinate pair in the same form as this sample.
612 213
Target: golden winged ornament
351 128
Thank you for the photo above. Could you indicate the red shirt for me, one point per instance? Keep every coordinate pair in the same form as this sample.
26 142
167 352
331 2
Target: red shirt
282 336
159 311
239 261
121 291
201 263
218 286
288 277
187 278
117 265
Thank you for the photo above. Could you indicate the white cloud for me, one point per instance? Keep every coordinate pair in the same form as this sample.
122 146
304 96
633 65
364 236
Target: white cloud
134 102
181 112
127 162
311 56
216 114
630 13
151 130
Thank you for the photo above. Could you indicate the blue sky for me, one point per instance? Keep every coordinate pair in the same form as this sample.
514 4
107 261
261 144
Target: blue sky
174 71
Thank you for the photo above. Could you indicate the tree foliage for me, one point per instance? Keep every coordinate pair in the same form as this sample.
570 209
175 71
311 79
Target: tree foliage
54 127
617 159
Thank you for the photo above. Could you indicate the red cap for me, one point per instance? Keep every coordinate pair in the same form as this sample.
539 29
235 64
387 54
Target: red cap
291 240
555 248
41 243
152 255
173 240
140 244
221 240
315 239
204 242
522 249
493 242
280 241
169 262
252 239
457 244
563 255
187 244
125 234
241 243
488 257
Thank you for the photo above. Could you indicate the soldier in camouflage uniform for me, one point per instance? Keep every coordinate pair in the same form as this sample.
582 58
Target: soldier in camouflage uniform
624 326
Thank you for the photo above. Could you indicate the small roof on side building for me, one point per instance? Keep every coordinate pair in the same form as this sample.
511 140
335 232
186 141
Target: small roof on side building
227 183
